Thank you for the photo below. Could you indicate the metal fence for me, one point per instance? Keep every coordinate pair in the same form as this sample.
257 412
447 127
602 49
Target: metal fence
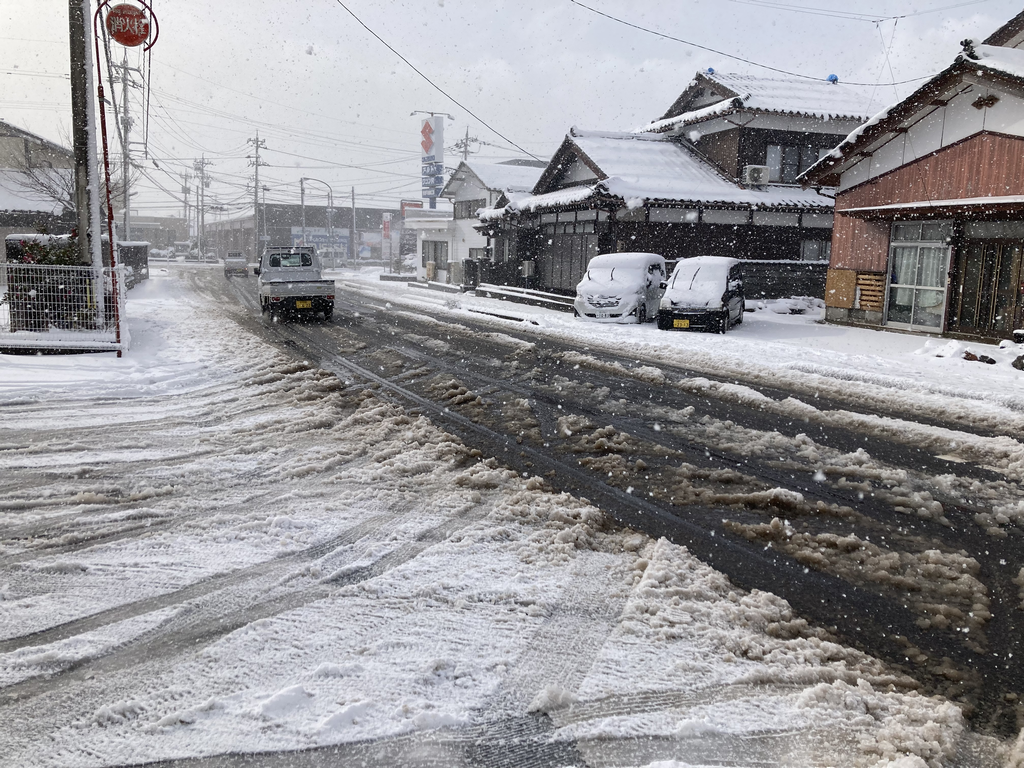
46 307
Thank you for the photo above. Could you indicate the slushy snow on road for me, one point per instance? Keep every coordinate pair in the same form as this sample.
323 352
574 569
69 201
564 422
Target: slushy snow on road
210 547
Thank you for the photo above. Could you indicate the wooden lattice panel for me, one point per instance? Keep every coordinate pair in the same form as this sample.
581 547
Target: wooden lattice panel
872 290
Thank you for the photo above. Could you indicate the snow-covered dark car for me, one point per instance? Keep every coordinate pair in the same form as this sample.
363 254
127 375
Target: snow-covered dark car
235 263
621 288
705 293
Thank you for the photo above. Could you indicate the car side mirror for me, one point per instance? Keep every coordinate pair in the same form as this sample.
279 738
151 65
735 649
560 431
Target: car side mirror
256 271
663 285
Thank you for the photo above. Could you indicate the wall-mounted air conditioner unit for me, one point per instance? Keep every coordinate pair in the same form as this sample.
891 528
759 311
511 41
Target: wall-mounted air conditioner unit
755 175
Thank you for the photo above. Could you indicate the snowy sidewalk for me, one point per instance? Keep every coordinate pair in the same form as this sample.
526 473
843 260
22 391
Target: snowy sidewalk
877 368
224 550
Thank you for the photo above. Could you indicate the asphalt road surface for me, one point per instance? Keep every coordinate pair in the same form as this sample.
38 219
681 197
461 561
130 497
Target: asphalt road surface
875 541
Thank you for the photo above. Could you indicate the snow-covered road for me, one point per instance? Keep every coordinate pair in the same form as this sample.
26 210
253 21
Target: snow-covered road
210 548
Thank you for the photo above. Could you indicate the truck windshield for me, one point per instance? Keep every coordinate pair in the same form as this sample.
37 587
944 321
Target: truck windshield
291 260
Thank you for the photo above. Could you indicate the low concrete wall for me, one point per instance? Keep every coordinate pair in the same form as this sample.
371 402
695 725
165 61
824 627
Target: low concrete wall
781 279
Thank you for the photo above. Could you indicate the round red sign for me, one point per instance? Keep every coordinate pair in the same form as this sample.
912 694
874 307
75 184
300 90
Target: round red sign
128 25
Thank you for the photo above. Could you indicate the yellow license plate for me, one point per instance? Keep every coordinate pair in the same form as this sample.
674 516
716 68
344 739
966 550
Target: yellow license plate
303 304
680 323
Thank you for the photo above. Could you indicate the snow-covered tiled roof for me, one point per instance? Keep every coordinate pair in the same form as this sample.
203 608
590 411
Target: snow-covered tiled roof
695 116
785 95
818 98
505 177
643 168
1008 62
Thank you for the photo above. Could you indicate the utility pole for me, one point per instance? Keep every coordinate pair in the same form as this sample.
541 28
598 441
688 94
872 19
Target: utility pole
263 242
81 88
463 144
125 136
199 166
83 120
302 205
352 234
185 189
254 160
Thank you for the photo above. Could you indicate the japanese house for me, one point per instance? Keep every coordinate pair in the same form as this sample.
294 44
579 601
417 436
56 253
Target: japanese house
929 231
715 175
36 182
457 250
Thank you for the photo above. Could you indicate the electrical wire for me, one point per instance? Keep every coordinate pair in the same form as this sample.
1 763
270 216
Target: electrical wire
322 139
434 85
716 51
341 165
263 101
849 15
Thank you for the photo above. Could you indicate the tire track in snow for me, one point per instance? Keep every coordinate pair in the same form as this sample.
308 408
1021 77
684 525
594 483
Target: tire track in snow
277 567
865 617
568 641
212 610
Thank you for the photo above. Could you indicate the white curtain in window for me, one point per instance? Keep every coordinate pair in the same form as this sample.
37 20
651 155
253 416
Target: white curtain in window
904 265
932 267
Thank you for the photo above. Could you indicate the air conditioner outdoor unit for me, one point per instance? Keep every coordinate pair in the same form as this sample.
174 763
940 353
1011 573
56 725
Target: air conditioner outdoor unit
755 175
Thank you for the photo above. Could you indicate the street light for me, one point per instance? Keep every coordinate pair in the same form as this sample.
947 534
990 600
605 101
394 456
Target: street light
330 207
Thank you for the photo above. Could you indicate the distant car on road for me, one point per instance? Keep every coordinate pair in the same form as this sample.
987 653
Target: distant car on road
235 263
621 288
705 293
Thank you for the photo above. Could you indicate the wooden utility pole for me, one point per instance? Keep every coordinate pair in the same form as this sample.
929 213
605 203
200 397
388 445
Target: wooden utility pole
81 90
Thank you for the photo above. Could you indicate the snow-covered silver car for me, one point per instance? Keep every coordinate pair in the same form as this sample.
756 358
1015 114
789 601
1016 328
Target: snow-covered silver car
621 288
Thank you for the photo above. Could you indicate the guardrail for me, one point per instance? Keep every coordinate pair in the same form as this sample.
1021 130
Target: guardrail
48 307
526 296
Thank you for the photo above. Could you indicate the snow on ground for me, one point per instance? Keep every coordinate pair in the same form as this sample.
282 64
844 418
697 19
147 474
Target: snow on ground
870 369
293 563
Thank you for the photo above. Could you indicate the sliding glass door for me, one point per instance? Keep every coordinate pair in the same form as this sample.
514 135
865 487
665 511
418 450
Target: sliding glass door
918 266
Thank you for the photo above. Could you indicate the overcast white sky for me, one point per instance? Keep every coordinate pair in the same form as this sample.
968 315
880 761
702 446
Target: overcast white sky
333 103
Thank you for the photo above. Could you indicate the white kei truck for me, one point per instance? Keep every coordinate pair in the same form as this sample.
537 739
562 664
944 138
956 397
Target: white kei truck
291 283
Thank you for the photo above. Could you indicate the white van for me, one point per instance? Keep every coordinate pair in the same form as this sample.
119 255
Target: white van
621 288
705 293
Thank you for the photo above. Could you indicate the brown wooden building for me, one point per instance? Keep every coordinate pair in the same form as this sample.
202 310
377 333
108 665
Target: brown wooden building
929 226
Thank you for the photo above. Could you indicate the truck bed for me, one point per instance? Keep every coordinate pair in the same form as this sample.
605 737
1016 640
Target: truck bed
274 286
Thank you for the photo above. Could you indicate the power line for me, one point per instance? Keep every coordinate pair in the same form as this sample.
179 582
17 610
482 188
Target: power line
319 139
716 51
849 15
434 85
263 100
344 165
810 11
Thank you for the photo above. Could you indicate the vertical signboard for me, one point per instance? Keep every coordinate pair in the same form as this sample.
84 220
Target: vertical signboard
432 158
